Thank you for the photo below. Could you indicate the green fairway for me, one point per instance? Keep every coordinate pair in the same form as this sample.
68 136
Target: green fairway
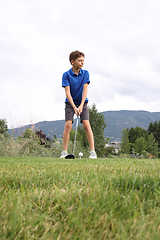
46 198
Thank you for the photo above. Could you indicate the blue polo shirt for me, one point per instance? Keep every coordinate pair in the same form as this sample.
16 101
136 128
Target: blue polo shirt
75 82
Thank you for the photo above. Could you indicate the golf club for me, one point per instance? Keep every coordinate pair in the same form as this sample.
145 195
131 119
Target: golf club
71 156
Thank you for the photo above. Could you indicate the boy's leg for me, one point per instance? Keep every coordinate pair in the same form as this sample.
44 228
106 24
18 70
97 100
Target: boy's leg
87 127
89 133
66 134
69 113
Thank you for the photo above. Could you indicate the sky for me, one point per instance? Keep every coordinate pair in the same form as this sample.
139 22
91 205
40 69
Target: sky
120 40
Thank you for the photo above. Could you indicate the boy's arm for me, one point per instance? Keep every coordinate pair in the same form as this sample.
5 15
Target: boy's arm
69 97
84 95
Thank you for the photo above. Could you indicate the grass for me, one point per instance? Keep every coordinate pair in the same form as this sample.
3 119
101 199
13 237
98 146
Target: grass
46 198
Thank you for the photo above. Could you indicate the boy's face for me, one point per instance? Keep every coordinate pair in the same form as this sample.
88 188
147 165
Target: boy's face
78 63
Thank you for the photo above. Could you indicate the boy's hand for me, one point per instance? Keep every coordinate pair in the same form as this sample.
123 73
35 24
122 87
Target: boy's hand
80 108
76 110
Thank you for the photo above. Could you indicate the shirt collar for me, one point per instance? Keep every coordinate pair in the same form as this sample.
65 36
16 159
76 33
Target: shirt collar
80 72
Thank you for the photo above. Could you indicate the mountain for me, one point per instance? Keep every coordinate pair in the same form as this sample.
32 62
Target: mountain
116 122
48 127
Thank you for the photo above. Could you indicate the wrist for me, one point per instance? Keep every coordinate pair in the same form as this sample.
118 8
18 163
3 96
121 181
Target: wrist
82 103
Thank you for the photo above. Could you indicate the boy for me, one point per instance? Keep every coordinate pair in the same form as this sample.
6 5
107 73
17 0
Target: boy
75 81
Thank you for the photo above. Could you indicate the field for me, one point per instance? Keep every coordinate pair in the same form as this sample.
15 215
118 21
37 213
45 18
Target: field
46 198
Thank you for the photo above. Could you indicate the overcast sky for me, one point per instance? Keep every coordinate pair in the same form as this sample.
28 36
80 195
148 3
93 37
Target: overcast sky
121 42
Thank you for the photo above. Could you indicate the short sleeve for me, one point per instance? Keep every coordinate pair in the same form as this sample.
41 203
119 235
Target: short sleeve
65 80
86 80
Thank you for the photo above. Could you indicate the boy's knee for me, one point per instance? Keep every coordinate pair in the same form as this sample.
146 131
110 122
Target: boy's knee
68 125
86 125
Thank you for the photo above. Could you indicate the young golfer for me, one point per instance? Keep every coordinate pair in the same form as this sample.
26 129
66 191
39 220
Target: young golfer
76 81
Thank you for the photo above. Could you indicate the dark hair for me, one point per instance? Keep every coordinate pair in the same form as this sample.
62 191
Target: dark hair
74 55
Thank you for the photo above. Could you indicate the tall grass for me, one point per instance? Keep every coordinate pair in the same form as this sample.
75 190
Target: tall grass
20 146
46 198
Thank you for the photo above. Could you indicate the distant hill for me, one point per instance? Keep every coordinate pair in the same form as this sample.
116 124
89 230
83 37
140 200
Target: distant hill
116 122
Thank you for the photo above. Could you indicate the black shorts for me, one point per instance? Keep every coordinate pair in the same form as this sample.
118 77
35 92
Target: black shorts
69 112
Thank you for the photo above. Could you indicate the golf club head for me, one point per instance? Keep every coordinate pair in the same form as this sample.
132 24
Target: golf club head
70 156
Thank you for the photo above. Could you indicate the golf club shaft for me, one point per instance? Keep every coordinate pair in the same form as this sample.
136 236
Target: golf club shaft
75 135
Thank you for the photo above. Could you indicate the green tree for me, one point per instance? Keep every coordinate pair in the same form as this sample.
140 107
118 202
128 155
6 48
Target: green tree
131 135
140 145
98 124
150 128
154 128
3 126
158 133
137 132
125 141
134 134
152 146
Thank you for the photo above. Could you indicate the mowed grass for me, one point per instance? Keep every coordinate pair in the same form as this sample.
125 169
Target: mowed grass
44 198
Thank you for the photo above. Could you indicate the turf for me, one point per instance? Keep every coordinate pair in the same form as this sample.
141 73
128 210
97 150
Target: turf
44 198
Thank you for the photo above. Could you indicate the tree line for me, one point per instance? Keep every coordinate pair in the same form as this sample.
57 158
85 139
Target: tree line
141 141
135 141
